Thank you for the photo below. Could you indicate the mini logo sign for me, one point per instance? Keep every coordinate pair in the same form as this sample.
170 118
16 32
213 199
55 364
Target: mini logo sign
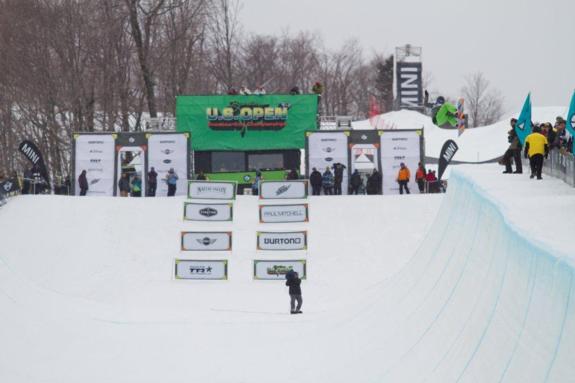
208 212
328 149
167 151
206 241
292 240
167 161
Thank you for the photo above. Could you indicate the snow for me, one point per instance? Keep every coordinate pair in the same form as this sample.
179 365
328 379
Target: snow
474 285
475 144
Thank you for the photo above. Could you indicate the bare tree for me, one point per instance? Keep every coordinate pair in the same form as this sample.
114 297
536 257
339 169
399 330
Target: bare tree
483 105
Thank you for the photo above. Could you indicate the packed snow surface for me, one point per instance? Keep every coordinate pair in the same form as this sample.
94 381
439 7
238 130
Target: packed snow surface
472 286
475 144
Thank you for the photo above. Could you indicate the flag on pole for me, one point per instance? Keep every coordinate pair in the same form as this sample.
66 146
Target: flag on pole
374 112
523 125
570 123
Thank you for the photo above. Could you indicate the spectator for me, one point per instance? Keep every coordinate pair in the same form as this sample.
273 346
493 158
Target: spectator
83 183
514 151
256 184
260 90
560 139
432 184
136 186
124 185
172 181
355 182
403 177
294 91
232 91
292 175
316 180
327 182
201 176
152 182
420 177
294 284
317 88
245 91
338 177
536 146
374 183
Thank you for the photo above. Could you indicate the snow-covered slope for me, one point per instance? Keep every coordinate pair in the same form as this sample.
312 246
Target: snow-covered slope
398 290
475 145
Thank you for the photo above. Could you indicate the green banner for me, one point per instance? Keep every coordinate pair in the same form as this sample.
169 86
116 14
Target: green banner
254 122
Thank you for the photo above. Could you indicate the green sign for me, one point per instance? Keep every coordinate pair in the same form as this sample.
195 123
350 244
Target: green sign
254 122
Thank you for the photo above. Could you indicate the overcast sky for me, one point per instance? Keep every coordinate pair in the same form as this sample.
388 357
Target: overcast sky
519 45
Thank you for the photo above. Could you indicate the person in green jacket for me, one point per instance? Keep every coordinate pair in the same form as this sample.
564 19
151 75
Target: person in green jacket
137 186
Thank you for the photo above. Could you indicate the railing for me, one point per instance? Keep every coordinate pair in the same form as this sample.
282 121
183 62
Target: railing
560 165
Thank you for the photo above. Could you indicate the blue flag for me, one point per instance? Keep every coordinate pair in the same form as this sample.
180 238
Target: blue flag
523 125
570 123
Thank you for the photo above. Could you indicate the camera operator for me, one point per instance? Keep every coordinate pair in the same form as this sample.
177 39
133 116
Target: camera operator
514 151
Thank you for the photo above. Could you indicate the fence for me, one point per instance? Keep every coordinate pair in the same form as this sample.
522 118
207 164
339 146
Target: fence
560 165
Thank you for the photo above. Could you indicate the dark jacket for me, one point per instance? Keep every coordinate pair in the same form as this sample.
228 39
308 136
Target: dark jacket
152 177
294 286
338 172
124 184
356 179
83 181
315 178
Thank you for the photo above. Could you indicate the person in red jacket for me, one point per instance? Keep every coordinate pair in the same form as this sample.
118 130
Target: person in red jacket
420 177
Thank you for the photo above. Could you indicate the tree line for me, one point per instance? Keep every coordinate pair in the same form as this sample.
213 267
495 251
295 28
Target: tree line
105 65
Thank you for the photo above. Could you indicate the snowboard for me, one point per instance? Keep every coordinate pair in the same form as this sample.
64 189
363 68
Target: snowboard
460 116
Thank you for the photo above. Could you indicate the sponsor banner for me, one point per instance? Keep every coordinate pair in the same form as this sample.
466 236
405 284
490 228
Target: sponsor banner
165 152
409 81
95 153
364 158
276 270
283 189
283 213
198 269
206 241
212 190
33 154
247 122
208 212
291 240
9 186
325 150
397 147
446 155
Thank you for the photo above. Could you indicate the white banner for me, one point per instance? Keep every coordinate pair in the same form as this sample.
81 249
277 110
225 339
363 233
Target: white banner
196 269
326 149
397 147
283 189
274 270
292 240
283 213
208 212
364 158
96 155
165 152
211 190
206 241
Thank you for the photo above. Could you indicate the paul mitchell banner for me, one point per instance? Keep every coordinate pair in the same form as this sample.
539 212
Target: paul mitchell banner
291 240
212 190
33 154
207 241
95 154
409 81
446 155
396 147
165 152
324 149
283 213
197 269
283 189
208 212
276 270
